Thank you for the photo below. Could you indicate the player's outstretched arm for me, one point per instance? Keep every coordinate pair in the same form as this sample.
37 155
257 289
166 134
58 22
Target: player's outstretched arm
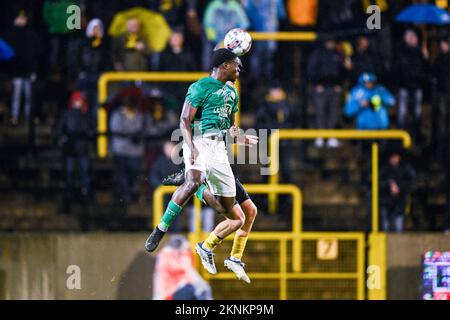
242 139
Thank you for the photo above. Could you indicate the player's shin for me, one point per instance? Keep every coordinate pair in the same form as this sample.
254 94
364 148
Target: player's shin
212 241
238 248
172 212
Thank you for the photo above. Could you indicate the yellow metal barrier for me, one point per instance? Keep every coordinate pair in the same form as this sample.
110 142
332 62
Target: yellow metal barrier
285 278
295 237
376 280
284 36
293 190
107 77
300 134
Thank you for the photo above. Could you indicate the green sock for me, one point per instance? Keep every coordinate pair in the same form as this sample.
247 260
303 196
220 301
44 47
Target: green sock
199 193
172 212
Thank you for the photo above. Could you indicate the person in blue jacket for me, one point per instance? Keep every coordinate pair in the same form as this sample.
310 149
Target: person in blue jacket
368 102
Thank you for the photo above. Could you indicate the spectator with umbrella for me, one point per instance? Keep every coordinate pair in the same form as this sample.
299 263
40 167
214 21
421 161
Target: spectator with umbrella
136 33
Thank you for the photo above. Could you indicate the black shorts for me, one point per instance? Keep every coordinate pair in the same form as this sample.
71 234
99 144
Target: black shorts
241 194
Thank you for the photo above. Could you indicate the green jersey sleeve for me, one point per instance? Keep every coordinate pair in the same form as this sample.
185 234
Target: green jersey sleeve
195 95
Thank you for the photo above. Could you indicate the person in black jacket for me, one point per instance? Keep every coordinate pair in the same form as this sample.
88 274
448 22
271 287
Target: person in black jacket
92 59
441 77
24 64
447 184
366 59
277 113
176 58
396 183
75 133
327 69
411 68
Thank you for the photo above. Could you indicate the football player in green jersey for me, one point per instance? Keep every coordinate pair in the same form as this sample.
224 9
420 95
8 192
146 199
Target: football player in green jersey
209 108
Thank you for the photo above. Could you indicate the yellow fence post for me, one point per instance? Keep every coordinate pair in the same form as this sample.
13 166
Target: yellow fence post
283 270
375 202
360 267
376 278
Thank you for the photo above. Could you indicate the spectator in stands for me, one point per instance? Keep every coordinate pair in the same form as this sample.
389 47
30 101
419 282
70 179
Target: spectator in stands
161 120
173 10
130 51
341 15
176 58
24 64
396 183
127 127
441 75
365 59
164 165
410 70
54 14
264 17
368 103
175 277
277 113
75 136
92 60
302 13
326 70
220 16
447 184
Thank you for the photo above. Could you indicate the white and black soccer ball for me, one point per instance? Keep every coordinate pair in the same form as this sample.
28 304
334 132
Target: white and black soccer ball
238 41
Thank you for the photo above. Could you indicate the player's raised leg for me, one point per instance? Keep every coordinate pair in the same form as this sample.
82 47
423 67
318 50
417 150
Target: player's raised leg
179 199
234 220
234 261
243 206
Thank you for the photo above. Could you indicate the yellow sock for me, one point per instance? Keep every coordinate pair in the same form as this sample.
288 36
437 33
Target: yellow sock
238 246
211 242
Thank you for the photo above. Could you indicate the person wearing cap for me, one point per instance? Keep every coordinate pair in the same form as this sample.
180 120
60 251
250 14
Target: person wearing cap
74 133
92 59
208 111
368 102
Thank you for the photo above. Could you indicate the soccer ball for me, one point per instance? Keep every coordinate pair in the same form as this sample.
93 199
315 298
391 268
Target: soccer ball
238 41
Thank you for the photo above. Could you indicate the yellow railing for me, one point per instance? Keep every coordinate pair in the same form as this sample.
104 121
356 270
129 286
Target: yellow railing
283 275
293 190
300 134
284 36
296 236
107 77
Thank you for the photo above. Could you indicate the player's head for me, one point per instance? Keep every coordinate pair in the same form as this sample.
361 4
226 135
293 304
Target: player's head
227 63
